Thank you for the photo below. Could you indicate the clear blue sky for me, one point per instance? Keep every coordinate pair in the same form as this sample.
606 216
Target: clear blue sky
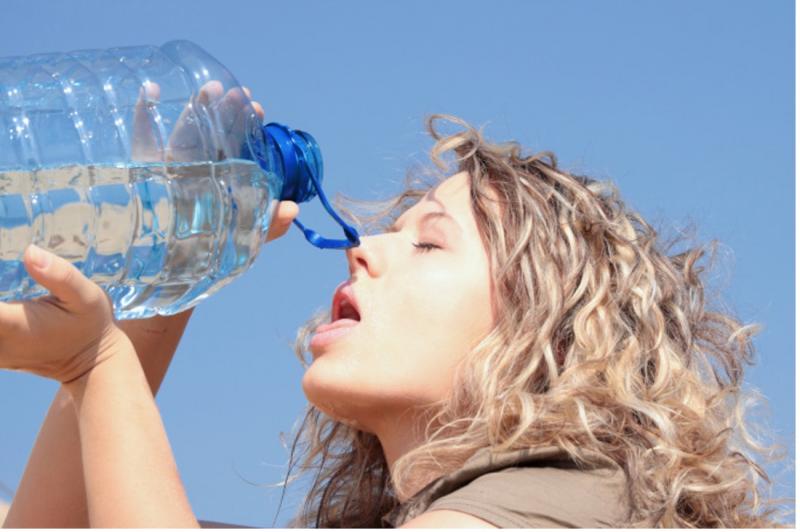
687 105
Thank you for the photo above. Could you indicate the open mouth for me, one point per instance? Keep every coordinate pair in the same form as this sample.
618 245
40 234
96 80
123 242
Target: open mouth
345 305
346 311
345 316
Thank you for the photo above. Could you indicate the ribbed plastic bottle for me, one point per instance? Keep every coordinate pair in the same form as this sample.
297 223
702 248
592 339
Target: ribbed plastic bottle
148 169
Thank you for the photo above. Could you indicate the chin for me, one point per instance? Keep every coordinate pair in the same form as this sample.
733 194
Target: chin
341 395
329 393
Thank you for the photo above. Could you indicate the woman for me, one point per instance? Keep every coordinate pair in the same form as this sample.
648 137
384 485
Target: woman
515 348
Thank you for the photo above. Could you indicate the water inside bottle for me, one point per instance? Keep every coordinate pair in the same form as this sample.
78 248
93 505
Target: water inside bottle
157 237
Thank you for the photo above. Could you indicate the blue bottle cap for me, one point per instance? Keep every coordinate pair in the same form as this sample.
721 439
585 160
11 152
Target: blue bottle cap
297 150
302 170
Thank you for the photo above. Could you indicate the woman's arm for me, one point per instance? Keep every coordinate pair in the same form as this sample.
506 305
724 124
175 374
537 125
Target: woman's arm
130 474
52 492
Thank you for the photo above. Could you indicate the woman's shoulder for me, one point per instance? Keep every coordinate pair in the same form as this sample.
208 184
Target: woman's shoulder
540 487
550 496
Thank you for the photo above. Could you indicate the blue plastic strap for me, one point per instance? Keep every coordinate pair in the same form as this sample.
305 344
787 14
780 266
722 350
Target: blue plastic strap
315 238
299 174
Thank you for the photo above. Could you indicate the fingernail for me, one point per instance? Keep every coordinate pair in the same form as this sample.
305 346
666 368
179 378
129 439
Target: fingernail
39 258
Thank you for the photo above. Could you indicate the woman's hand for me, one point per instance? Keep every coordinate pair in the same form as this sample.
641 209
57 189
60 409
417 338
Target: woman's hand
228 113
61 336
285 213
232 109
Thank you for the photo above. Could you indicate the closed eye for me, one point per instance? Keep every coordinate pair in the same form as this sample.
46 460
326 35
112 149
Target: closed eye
426 246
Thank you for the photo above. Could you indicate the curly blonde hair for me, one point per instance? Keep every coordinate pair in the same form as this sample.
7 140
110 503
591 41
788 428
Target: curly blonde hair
606 344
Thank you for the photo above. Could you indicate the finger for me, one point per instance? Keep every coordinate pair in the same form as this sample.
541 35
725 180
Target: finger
255 105
187 141
210 92
230 106
259 110
146 144
285 213
234 112
61 278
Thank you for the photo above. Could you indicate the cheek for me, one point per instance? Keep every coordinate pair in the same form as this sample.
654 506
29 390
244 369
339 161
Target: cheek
434 325
407 351
452 308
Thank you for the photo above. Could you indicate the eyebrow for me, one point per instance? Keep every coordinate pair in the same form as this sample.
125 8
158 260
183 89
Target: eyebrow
428 216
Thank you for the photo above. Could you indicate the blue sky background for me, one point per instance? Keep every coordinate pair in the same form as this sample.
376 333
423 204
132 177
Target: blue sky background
688 106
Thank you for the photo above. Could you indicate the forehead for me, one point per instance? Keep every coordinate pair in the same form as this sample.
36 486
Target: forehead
453 187
451 195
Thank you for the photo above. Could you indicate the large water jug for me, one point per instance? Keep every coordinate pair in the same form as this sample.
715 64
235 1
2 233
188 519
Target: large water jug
146 167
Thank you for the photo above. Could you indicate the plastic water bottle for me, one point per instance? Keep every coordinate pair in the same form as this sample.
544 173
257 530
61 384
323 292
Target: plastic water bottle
148 169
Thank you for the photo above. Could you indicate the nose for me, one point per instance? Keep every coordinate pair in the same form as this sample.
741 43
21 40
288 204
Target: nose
364 258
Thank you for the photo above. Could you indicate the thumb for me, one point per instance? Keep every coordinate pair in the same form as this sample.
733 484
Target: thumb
285 213
61 278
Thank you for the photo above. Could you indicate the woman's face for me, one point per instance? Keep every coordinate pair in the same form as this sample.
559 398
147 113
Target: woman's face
421 310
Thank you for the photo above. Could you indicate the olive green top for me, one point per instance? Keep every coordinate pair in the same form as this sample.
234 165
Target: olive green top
531 488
